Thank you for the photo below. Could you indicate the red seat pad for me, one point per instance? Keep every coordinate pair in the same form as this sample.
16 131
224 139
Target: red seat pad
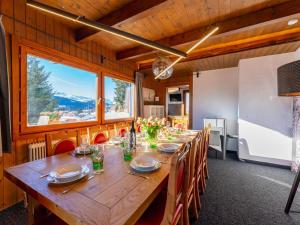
155 213
64 146
100 138
122 132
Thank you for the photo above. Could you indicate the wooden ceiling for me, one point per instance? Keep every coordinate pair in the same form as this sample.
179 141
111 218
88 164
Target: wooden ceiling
244 24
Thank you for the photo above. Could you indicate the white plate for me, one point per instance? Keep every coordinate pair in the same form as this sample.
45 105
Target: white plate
168 147
115 140
144 164
67 172
53 180
82 151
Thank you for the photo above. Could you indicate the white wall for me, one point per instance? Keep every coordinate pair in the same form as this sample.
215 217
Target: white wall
265 119
215 94
247 97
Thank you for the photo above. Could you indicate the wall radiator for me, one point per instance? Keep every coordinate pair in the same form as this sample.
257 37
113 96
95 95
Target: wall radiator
37 151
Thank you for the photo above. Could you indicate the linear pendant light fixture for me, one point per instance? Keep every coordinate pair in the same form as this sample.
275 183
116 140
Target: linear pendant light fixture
189 50
105 28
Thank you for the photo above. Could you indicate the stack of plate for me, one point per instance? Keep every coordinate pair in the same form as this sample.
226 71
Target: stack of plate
145 164
67 173
115 140
168 147
83 150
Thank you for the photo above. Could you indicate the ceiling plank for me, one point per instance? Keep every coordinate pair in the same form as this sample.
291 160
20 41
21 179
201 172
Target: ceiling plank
126 12
266 40
233 24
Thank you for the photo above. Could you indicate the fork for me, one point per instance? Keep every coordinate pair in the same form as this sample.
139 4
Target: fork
69 189
138 175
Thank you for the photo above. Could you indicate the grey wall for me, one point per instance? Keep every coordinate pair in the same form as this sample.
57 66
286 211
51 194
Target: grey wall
215 94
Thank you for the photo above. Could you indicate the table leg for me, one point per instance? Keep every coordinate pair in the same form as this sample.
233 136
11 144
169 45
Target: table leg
31 206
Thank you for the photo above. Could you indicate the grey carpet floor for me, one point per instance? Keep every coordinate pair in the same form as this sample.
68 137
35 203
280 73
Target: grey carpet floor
237 193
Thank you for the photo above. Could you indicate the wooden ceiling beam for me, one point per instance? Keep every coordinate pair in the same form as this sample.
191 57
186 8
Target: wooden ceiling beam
128 11
266 40
233 24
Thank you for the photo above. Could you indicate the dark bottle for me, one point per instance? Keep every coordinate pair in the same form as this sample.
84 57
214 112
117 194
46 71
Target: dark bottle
132 138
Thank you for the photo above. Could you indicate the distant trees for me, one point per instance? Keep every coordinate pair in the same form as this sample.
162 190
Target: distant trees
40 94
120 94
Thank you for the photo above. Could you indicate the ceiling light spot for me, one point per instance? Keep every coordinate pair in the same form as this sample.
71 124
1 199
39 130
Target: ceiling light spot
292 22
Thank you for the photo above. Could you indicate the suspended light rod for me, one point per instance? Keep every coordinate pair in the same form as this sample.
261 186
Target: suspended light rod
105 28
189 50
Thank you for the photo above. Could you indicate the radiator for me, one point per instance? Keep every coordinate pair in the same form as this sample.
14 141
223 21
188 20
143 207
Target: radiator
37 151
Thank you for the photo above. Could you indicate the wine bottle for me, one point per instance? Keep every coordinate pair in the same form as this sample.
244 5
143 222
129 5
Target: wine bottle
132 138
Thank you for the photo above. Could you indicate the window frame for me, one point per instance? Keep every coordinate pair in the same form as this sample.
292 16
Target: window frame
111 75
80 64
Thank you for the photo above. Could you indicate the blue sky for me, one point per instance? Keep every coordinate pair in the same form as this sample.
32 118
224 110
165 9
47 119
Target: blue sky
70 80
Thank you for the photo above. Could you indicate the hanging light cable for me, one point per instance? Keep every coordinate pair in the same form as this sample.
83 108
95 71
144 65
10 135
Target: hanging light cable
188 51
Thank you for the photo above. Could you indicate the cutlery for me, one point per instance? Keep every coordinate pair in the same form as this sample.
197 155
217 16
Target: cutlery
138 175
45 175
69 189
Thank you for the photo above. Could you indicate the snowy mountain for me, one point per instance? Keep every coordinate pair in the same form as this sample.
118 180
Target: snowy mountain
74 103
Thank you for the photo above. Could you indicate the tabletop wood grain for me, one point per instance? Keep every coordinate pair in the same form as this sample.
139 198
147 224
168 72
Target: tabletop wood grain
113 197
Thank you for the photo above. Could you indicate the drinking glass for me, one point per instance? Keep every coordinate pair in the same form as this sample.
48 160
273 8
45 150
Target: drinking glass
125 146
98 158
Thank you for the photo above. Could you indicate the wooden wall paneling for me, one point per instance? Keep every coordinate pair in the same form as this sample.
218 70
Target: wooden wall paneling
31 22
20 17
66 38
6 7
9 189
49 31
41 28
58 35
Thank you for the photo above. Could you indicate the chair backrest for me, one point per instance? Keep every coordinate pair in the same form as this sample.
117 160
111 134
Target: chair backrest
177 184
205 142
61 141
121 128
199 151
192 160
97 134
111 131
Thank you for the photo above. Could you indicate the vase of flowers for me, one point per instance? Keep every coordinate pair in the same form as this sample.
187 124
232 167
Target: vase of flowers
151 127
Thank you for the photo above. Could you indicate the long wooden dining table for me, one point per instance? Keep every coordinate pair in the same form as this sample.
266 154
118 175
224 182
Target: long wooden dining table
112 197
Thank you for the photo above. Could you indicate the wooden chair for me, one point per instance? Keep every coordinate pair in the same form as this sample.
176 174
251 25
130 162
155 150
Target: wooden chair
121 128
97 134
62 141
198 167
111 131
204 168
167 208
190 196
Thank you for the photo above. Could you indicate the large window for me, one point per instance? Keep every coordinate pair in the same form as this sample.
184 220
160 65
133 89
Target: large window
58 93
119 99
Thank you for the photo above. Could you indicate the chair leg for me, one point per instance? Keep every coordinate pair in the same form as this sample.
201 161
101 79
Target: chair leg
197 195
181 222
206 170
186 219
194 206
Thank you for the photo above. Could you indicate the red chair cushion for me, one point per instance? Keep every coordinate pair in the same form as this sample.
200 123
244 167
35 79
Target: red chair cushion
64 146
100 138
122 132
155 213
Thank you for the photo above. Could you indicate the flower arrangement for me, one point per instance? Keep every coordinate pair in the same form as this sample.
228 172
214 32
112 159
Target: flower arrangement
150 127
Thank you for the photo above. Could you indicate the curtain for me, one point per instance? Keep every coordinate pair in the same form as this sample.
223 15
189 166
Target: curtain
139 77
4 94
